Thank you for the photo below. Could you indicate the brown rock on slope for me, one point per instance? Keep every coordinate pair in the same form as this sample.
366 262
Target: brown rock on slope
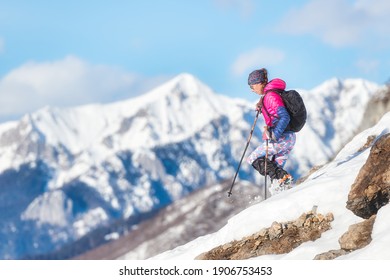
358 235
279 238
371 189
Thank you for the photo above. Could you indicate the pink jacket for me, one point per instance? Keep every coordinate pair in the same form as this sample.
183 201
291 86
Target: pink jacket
273 110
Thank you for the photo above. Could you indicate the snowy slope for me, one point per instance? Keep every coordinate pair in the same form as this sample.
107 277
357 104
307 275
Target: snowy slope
327 188
66 172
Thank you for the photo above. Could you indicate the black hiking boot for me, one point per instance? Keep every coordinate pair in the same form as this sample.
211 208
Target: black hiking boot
275 172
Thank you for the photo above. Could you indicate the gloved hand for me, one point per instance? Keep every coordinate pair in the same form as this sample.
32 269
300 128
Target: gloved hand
259 105
267 134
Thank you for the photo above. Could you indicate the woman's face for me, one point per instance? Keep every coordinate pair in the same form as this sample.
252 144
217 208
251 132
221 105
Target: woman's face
258 88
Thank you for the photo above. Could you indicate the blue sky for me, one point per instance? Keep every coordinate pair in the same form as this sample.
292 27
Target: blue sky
67 53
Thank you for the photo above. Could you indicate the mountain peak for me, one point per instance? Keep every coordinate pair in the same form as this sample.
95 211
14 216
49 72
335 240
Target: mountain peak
336 84
183 84
186 78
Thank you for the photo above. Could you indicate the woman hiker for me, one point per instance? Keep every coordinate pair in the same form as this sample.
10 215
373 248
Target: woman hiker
276 117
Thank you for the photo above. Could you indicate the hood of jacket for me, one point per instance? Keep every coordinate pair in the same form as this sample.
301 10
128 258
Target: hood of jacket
275 84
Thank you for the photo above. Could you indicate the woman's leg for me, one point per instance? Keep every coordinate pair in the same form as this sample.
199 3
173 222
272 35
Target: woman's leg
283 148
259 152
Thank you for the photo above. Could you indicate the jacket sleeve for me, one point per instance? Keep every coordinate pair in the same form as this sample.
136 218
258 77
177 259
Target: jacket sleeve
276 115
281 122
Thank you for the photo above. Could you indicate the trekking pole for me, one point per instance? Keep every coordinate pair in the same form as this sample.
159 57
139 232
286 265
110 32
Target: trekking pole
265 168
246 147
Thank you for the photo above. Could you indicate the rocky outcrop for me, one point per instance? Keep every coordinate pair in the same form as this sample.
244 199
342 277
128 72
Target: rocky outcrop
369 192
371 189
358 236
279 238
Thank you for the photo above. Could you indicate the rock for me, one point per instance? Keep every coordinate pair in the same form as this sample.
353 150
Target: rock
331 255
260 234
329 217
370 140
202 256
358 235
300 221
227 246
279 238
275 230
371 189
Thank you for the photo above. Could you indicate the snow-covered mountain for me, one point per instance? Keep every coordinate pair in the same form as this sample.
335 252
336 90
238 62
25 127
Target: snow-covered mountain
328 189
65 173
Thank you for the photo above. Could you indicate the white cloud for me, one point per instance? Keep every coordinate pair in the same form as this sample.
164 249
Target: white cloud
244 7
340 22
257 58
67 82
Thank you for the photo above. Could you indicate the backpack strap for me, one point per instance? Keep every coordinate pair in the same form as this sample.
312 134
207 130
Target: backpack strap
265 109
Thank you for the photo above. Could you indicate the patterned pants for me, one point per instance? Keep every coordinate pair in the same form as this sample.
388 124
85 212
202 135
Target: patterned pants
280 149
